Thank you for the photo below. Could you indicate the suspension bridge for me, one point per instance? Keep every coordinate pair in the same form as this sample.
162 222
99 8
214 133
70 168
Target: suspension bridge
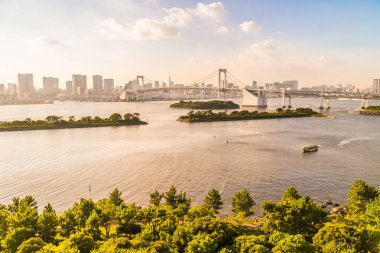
222 84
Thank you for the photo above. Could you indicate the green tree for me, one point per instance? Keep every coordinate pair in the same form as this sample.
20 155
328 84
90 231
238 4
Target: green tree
23 213
68 223
115 117
293 244
373 212
82 242
343 235
242 202
93 224
83 210
47 224
155 198
291 194
360 194
15 238
213 200
202 243
31 245
174 199
293 216
107 212
251 243
116 197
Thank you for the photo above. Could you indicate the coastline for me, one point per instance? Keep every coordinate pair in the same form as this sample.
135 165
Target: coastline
244 118
47 127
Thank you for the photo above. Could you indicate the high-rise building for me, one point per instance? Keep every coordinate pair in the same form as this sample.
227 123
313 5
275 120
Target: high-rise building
25 86
50 85
109 86
79 84
2 89
291 84
376 86
12 90
69 87
97 84
156 84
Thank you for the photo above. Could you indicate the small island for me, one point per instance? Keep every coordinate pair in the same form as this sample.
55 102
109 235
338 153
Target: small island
205 105
208 116
57 122
370 110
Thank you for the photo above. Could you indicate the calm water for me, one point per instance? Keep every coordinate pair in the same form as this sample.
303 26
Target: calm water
57 166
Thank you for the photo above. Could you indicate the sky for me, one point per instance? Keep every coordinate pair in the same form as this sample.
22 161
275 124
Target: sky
312 41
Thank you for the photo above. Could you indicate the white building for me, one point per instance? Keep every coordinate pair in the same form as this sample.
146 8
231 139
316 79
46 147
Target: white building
109 86
25 85
376 86
79 83
97 84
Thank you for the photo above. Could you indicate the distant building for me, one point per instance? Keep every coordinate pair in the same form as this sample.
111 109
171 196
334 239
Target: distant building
376 86
156 84
79 84
50 85
2 89
25 86
69 87
109 86
12 90
97 84
291 84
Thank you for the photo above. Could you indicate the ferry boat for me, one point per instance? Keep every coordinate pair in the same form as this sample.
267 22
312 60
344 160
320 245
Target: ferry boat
310 148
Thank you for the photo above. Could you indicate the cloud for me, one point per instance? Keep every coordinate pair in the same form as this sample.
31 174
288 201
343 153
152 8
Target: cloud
214 11
161 28
223 29
266 49
249 26
43 41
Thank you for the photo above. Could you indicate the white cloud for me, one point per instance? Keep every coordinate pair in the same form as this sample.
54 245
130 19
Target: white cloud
153 29
214 11
265 49
223 29
177 16
249 26
43 41
168 26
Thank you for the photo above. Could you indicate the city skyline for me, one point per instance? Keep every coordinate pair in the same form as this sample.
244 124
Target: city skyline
324 42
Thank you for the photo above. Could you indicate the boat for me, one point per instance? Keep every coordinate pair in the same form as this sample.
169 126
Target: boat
310 148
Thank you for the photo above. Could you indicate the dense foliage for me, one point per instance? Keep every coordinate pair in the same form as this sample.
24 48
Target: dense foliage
170 224
54 121
205 105
370 110
201 116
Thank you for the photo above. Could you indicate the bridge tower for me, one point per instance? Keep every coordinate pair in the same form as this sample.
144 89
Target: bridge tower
138 87
222 82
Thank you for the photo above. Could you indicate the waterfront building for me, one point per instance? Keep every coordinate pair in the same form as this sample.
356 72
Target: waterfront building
156 84
2 89
79 83
25 86
12 90
69 87
376 86
50 85
97 84
109 86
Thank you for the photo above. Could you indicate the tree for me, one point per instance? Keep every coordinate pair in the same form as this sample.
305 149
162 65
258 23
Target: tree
128 116
107 212
373 212
115 117
251 243
213 200
174 199
82 242
47 224
16 237
68 223
155 198
23 213
293 215
360 194
291 194
83 210
293 244
93 224
202 243
115 197
31 245
242 202
343 235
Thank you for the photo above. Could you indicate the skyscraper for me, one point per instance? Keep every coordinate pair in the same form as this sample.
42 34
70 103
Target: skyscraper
69 87
109 87
50 85
97 84
376 86
2 89
79 84
25 86
12 90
